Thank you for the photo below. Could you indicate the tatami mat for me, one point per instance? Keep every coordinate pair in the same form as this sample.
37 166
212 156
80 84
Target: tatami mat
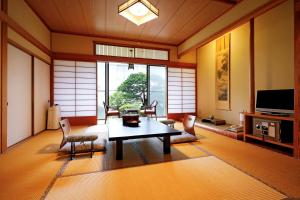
211 179
136 152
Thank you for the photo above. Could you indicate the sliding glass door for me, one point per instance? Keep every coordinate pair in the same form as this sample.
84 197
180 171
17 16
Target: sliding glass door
130 86
127 85
101 80
158 88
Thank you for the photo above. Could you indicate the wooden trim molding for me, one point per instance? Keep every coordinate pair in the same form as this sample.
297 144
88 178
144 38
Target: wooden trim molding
257 12
252 69
113 38
95 58
20 30
80 121
297 78
3 80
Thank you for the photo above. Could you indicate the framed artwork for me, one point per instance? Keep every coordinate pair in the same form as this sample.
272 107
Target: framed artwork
223 72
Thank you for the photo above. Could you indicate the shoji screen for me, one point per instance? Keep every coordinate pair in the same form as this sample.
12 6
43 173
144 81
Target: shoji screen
18 95
75 88
181 90
86 85
41 94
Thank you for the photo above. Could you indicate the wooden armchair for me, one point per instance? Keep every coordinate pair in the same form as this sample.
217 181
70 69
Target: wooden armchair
109 111
150 110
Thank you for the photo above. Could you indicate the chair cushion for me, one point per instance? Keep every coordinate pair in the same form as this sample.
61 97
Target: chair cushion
80 138
113 112
184 137
99 145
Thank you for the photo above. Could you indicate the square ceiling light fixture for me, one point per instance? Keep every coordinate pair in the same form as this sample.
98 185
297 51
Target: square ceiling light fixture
138 11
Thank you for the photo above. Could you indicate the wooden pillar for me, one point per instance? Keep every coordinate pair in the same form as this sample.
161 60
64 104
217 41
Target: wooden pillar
3 79
297 77
252 69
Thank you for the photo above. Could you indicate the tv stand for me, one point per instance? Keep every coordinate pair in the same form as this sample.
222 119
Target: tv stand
275 114
250 136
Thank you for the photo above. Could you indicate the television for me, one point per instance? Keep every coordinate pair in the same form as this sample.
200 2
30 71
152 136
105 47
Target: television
276 102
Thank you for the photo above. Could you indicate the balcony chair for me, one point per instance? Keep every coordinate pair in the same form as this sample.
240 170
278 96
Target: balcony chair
67 138
110 111
150 110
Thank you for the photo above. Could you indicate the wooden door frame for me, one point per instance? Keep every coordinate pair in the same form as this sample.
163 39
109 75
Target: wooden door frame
3 81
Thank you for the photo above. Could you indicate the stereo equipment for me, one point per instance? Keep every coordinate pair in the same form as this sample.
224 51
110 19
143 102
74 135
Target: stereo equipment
276 130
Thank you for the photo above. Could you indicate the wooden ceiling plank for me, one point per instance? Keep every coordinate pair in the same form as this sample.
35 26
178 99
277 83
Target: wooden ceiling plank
115 23
47 11
177 20
84 6
186 13
166 11
213 10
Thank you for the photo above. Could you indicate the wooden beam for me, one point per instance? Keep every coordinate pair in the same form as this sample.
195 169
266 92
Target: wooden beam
252 69
297 78
3 79
230 2
18 46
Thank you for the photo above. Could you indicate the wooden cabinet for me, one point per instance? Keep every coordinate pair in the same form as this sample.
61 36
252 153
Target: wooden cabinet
249 132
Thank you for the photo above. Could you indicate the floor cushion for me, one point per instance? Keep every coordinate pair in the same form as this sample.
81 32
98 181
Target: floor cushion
99 145
184 137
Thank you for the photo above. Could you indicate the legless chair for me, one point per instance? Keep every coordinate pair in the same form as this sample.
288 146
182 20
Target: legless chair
151 110
66 129
188 135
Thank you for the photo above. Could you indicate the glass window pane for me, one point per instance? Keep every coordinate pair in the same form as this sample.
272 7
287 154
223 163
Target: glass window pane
158 88
101 89
127 87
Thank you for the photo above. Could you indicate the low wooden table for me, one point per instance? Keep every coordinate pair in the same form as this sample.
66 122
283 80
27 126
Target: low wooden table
147 128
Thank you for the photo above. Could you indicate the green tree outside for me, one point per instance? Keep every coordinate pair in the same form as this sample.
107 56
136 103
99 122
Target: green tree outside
131 94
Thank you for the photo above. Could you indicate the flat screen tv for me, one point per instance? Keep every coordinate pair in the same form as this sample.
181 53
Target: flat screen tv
275 102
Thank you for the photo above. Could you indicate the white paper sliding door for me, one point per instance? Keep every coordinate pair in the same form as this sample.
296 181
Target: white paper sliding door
181 90
75 85
19 95
64 87
188 91
41 94
174 90
86 88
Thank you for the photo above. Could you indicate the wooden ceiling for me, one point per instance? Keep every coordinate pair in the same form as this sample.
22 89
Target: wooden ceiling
178 19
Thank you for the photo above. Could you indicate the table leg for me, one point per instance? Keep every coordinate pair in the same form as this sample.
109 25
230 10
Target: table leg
119 149
167 144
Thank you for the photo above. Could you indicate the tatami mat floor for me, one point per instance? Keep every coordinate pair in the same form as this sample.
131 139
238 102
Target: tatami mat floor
31 169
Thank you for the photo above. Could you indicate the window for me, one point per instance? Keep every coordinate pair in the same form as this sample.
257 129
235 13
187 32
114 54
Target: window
75 88
181 90
131 52
101 71
157 88
127 87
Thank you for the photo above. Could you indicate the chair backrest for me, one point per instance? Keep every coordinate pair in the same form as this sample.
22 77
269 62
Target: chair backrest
188 124
65 127
153 105
105 107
